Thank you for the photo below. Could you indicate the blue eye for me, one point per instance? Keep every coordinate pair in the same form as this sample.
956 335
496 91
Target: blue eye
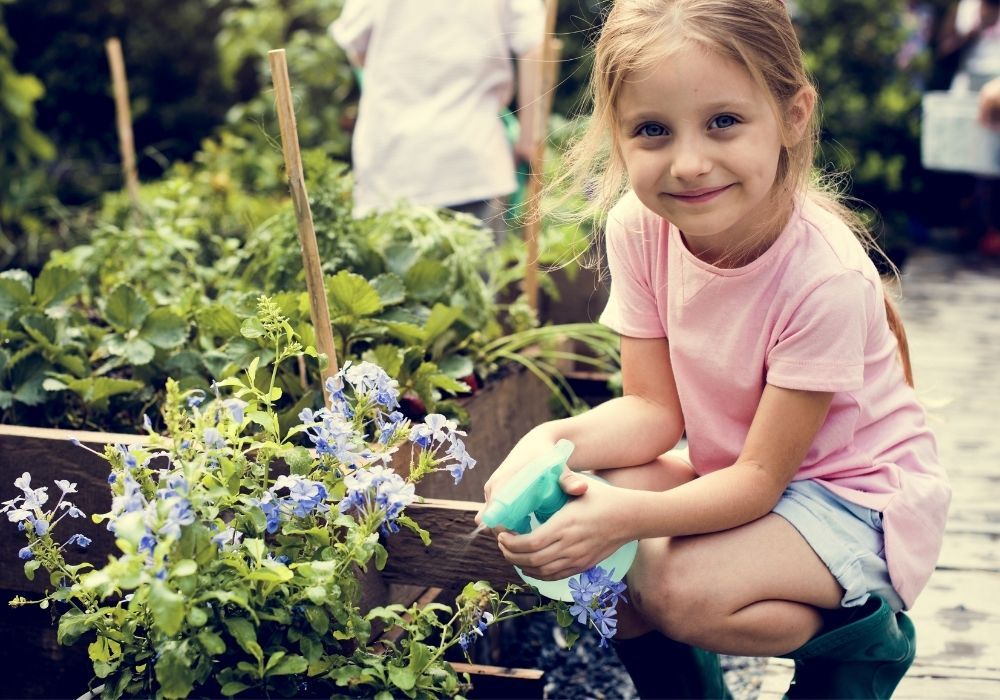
651 130
724 121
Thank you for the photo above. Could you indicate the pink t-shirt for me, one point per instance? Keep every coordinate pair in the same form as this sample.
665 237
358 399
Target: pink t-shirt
807 314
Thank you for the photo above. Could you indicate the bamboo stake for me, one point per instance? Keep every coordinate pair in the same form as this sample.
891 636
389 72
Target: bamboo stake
123 118
551 50
318 309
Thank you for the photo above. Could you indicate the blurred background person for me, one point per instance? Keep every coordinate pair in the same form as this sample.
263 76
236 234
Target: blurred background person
436 76
970 41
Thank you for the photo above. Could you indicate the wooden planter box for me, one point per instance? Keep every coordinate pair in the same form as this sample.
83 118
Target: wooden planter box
499 415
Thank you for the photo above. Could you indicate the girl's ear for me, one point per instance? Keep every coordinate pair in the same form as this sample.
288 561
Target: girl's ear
799 113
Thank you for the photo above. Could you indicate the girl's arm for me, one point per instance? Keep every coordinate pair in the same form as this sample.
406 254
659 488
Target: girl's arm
633 429
783 429
593 526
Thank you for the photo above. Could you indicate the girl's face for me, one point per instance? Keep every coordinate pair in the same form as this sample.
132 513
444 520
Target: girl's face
701 144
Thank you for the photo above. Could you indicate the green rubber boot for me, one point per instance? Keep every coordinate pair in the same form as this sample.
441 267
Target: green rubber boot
663 668
865 658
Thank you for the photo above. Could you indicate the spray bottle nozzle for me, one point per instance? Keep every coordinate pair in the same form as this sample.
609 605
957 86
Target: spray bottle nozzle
534 490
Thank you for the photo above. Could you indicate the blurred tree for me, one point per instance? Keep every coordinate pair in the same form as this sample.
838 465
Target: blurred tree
176 93
321 78
23 150
870 106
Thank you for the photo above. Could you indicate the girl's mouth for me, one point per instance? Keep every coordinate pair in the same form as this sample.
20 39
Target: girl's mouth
699 196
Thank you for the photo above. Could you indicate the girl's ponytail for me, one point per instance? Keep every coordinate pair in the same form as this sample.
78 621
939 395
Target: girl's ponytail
896 326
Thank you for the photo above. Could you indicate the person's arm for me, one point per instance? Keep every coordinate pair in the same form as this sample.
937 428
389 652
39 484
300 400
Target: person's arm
352 29
626 431
989 105
603 518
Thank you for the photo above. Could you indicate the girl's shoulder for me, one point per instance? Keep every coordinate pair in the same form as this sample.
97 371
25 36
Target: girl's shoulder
828 245
631 214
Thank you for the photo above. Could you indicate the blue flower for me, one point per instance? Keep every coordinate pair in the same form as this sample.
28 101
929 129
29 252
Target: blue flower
66 486
26 553
213 439
79 539
595 599
235 408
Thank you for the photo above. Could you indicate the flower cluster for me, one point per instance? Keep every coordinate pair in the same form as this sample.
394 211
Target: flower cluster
26 510
304 497
595 599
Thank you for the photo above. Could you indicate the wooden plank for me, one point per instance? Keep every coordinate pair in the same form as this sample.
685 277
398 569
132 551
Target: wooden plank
457 553
958 620
503 682
970 551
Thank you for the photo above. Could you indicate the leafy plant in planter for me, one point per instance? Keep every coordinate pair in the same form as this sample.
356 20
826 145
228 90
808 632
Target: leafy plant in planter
53 347
233 577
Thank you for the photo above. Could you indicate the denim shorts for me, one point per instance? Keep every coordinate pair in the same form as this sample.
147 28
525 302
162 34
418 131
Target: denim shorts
846 537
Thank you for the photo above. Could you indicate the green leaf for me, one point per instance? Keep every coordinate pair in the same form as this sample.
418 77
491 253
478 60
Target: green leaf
167 608
73 624
138 352
256 548
185 567
403 678
97 389
164 329
351 294
56 284
286 665
218 320
457 366
124 309
252 328
212 642
232 688
175 672
399 257
391 289
245 635
317 618
13 296
428 280
440 320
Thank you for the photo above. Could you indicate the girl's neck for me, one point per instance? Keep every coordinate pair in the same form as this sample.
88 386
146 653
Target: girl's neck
758 240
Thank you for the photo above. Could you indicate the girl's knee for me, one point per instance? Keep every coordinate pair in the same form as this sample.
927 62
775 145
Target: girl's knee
669 593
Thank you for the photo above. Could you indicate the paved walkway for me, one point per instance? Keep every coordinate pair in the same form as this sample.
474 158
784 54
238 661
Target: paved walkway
952 312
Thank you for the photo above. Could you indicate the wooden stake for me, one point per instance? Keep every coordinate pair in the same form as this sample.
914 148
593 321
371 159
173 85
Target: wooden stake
551 51
123 118
319 311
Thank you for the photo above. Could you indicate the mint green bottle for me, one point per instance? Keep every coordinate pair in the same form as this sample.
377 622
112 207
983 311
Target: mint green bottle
530 498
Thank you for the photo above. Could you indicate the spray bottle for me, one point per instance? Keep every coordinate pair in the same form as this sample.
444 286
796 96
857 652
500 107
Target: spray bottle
530 498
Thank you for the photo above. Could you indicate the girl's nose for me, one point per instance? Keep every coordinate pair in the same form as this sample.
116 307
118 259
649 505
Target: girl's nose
690 160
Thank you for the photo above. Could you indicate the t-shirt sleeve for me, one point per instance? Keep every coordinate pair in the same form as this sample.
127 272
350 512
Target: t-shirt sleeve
632 309
525 25
822 347
353 28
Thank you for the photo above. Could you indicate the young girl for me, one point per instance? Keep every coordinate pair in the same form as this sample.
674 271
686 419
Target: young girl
751 319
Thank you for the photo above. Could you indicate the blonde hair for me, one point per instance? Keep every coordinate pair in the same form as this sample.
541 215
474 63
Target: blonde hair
756 34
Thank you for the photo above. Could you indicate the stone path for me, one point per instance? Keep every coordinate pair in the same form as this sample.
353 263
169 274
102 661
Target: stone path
951 308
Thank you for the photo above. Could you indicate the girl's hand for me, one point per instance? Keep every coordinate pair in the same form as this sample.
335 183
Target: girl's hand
583 533
531 446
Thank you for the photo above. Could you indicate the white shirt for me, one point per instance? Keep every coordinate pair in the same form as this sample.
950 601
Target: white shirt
437 74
